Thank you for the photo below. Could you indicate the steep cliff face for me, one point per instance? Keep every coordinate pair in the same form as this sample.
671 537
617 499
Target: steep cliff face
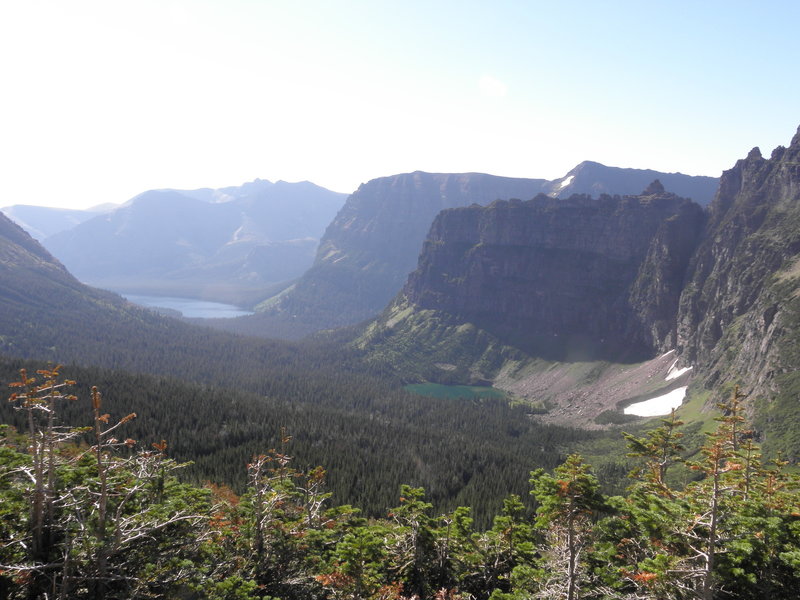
374 242
573 279
655 295
738 312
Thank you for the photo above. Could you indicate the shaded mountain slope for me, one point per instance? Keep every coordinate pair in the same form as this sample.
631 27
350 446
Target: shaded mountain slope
555 277
563 280
227 244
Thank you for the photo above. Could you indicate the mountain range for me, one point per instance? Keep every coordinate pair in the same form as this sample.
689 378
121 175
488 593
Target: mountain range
373 243
529 295
576 306
43 221
233 244
245 244
573 307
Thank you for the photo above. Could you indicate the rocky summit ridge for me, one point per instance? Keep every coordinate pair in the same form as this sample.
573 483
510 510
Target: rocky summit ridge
738 316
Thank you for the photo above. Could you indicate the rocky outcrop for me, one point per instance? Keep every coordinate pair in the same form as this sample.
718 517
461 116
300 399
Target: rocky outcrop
738 311
574 279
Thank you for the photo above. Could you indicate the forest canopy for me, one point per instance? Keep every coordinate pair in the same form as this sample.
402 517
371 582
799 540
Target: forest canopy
88 512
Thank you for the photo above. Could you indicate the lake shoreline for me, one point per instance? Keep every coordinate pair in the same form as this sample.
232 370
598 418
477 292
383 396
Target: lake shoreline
190 308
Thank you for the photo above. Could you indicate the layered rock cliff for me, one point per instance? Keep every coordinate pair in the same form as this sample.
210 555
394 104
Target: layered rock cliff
580 278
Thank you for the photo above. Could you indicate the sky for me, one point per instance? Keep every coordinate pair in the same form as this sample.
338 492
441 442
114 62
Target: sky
102 100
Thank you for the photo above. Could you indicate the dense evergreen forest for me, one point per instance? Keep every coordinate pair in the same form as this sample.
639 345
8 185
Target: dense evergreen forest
366 431
90 512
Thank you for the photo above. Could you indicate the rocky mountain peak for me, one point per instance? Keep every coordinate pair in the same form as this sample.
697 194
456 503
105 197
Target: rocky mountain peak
735 310
796 138
754 154
654 188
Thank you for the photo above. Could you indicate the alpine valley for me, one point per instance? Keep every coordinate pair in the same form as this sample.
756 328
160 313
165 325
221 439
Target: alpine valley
579 304
553 305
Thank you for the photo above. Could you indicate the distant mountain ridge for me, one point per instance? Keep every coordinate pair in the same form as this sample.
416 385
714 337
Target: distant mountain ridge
230 244
594 179
42 221
374 242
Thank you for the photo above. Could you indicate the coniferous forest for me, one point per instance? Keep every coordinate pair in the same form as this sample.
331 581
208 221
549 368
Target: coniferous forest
88 511
370 436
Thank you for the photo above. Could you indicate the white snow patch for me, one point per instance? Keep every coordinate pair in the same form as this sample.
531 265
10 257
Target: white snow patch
566 182
674 373
666 354
661 405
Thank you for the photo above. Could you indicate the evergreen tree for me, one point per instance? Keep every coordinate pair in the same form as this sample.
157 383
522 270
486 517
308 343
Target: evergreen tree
569 501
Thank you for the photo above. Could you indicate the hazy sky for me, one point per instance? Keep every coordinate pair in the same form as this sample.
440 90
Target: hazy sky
102 100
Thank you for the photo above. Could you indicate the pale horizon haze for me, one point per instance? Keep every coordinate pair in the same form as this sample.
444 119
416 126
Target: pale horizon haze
102 100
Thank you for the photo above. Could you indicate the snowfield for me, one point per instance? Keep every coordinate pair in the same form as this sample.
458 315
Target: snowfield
660 405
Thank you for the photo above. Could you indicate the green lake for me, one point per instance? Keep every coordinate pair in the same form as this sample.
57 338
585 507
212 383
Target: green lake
438 390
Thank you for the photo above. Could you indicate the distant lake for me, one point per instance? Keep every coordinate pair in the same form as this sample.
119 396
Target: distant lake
438 390
191 307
